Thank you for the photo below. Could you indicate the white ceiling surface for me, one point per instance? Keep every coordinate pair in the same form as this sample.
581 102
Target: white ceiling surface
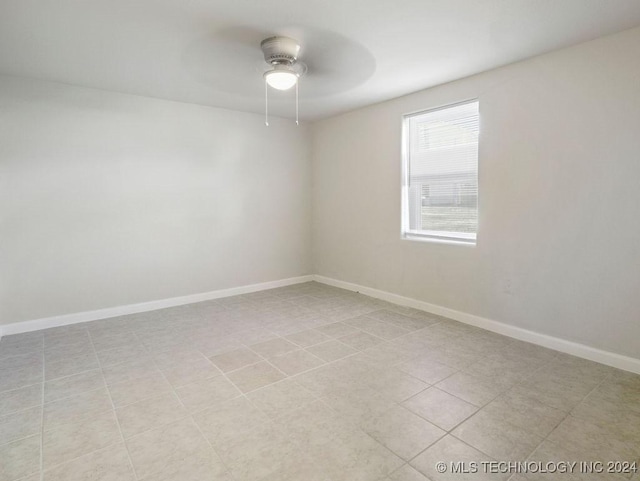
359 51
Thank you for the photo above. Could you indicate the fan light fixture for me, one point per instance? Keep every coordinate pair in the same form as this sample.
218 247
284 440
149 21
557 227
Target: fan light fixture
281 78
281 53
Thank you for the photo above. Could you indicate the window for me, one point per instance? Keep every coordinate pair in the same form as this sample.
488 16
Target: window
440 176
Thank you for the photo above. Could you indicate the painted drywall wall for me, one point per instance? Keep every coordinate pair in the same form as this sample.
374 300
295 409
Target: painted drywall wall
558 247
109 199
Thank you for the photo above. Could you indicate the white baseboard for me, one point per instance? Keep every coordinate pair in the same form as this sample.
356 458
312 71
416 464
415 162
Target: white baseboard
76 318
591 353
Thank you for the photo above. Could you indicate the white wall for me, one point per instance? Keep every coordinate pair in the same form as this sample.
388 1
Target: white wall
110 199
559 239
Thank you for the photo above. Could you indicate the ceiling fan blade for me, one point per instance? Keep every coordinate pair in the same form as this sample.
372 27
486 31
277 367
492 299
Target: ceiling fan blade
230 60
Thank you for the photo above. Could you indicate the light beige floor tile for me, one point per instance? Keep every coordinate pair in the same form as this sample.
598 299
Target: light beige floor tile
160 343
114 340
254 336
401 320
315 425
552 393
129 370
453 356
496 365
165 448
210 345
337 329
378 328
177 357
369 452
122 354
427 370
199 467
76 408
68 366
361 340
295 362
451 450
325 379
561 392
396 385
308 338
236 359
298 469
10 348
592 440
470 388
150 413
108 464
62 336
209 392
19 399
72 385
330 456
499 439
580 369
407 473
14 379
331 350
612 412
525 412
225 422
64 352
273 347
20 458
255 376
549 452
281 398
538 353
58 340
20 424
351 470
76 439
403 432
128 392
33 477
385 355
261 452
440 408
32 360
360 404
187 373
616 395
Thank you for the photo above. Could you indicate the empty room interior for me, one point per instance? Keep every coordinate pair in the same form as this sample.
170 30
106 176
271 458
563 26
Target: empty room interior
288 240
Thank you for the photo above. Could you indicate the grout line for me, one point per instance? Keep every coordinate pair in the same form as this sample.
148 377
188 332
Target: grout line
227 468
568 413
42 416
115 414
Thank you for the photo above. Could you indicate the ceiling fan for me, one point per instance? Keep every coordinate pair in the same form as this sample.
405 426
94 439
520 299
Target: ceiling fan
284 71
325 64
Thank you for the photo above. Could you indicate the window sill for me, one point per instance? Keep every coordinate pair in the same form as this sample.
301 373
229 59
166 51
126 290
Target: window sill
439 240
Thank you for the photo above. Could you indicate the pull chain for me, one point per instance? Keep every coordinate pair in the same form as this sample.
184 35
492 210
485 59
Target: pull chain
266 103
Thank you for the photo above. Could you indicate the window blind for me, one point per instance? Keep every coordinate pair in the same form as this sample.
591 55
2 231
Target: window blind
441 173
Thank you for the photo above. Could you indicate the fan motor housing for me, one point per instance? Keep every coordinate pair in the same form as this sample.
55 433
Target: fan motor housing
280 50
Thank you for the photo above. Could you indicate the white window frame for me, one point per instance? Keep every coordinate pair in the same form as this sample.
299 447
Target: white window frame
407 233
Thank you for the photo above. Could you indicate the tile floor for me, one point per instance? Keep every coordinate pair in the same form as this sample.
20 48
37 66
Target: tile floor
306 383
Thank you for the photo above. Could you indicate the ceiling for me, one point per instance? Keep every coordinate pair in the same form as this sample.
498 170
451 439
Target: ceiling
358 51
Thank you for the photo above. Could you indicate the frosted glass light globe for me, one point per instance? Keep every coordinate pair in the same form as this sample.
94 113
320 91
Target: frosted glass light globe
281 79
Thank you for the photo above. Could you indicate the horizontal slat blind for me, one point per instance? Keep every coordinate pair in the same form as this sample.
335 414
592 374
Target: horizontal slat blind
441 166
